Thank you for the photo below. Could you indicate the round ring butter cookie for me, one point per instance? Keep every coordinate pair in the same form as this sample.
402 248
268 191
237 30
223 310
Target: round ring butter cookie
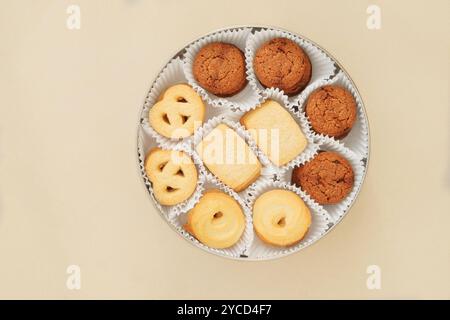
280 217
217 220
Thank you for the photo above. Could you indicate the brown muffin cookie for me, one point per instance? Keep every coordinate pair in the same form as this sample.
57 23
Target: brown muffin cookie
282 64
328 178
220 69
331 110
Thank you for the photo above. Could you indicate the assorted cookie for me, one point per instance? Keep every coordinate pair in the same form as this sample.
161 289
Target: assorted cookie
327 178
331 110
217 220
275 131
280 217
178 112
173 175
229 155
281 63
220 68
229 158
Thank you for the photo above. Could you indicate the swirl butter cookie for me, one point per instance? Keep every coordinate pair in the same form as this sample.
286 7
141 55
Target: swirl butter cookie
217 220
280 217
178 112
173 175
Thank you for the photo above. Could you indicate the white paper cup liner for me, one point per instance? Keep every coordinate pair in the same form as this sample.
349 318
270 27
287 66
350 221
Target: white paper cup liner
320 222
237 250
144 146
247 97
337 211
358 138
171 75
323 67
267 167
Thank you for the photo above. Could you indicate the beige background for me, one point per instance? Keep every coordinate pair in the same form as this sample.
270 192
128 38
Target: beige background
70 191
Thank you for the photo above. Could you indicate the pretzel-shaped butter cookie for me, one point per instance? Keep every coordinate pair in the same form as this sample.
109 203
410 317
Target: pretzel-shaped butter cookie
173 175
178 112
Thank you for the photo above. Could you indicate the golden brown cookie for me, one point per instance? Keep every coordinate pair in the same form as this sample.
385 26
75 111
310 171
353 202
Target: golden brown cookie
331 110
173 175
275 131
178 112
229 158
217 220
328 178
281 63
220 68
280 217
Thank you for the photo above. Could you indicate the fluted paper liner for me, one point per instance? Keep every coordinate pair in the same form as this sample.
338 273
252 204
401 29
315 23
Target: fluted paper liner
241 247
238 37
144 146
320 221
323 67
337 211
358 138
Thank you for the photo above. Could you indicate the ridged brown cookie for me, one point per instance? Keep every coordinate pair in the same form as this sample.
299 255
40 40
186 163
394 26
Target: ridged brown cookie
331 110
282 64
328 178
220 68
